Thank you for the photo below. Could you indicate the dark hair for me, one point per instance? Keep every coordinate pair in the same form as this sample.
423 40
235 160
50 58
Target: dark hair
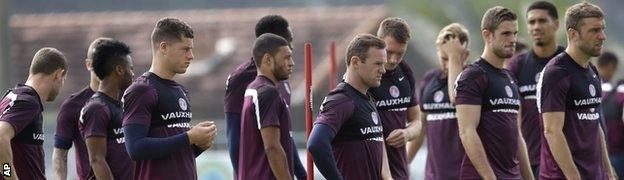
267 43
360 45
396 28
47 60
576 13
171 29
607 58
93 44
495 16
274 24
107 55
544 5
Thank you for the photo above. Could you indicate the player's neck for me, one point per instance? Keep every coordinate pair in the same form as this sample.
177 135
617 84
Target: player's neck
159 69
493 59
356 82
268 75
40 84
578 56
546 50
110 88
94 82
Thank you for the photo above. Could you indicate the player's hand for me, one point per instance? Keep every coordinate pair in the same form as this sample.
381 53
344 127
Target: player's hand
203 134
398 138
452 47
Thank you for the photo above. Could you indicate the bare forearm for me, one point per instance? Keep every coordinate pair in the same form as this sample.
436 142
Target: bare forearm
476 153
414 145
385 167
606 163
101 169
278 162
454 68
525 165
6 156
560 151
59 160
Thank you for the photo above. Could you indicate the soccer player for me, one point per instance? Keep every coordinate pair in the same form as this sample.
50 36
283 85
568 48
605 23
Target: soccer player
396 97
487 103
237 83
157 111
100 121
21 121
67 130
347 139
542 25
266 142
612 106
569 94
444 148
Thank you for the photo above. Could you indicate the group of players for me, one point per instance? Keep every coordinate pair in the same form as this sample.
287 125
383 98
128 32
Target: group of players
369 127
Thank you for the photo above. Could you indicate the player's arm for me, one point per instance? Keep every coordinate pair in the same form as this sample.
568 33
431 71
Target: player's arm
59 161
605 155
523 155
414 145
96 146
385 167
468 117
6 154
300 171
399 137
275 153
553 131
457 54
319 146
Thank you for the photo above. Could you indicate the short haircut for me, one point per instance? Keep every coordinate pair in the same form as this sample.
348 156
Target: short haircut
607 58
274 24
267 43
544 5
107 55
171 30
495 16
93 44
47 60
396 28
576 13
453 30
360 45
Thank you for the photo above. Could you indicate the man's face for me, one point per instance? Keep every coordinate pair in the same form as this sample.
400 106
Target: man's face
373 68
542 27
591 36
57 82
443 58
128 75
283 63
395 52
503 39
179 55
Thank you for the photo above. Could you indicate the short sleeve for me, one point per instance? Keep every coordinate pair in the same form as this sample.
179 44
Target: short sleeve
95 119
335 110
269 104
139 101
470 86
553 89
20 112
67 121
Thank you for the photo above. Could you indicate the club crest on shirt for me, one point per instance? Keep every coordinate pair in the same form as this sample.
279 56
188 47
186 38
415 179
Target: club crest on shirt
508 91
183 104
375 118
592 90
394 91
438 96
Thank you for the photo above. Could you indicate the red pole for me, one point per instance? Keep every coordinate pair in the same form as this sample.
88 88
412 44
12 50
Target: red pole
332 67
308 105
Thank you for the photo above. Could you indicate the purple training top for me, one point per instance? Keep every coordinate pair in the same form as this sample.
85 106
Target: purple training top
67 129
262 108
162 105
101 117
444 149
21 107
526 68
358 142
612 106
496 92
396 93
567 87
